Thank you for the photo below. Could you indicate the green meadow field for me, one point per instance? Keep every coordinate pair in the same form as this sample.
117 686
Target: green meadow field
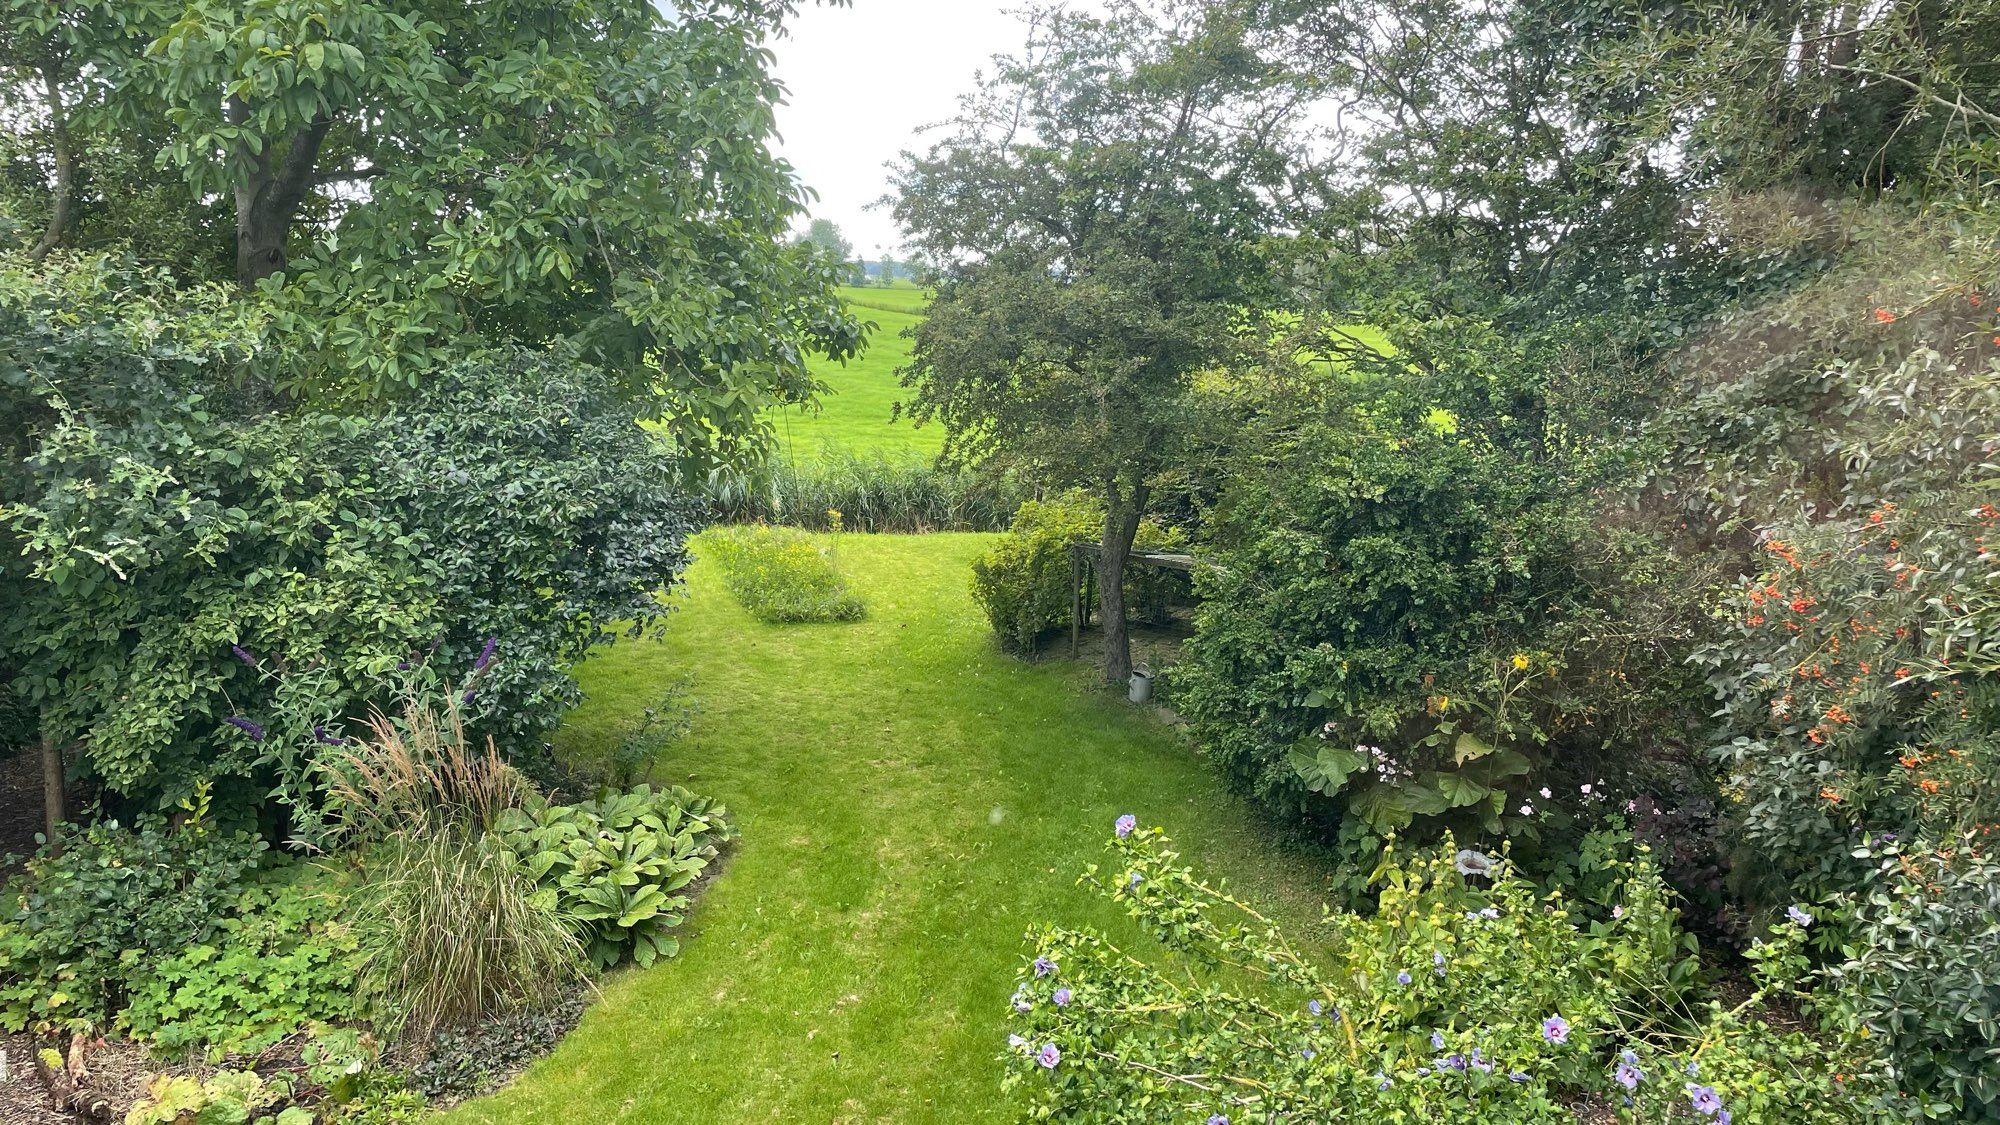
855 416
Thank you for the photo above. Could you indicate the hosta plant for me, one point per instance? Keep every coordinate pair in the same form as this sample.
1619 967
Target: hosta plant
618 867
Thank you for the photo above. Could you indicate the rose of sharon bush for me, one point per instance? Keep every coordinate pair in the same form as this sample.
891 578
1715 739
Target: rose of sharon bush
1464 998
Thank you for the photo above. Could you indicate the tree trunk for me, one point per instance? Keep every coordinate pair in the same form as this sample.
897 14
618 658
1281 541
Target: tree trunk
65 157
53 796
260 240
268 200
1122 510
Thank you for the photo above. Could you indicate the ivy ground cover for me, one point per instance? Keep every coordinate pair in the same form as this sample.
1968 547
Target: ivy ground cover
910 801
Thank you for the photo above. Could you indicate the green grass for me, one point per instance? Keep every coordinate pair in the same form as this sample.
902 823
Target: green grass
855 415
911 801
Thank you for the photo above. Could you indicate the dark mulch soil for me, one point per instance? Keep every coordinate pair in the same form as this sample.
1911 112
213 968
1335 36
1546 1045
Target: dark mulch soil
22 1099
20 804
118 1073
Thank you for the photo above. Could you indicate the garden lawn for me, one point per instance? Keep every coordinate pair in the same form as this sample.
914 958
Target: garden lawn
855 415
911 800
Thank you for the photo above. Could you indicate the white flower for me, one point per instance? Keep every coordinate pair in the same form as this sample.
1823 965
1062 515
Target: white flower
1527 810
1546 795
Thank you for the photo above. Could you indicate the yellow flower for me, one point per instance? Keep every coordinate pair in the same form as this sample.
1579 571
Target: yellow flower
1520 662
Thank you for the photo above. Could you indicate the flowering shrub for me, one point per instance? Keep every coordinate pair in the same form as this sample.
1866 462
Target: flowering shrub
1412 620
1469 996
780 575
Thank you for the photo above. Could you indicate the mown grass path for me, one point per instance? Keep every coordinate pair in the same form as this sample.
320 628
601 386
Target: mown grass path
910 801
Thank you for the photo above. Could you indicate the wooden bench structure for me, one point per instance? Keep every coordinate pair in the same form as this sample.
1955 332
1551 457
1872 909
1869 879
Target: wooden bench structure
1083 565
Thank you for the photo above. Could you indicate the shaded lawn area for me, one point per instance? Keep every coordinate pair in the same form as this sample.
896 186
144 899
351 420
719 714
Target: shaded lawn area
911 800
854 417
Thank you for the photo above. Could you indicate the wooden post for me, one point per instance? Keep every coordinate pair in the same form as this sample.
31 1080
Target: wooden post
1075 599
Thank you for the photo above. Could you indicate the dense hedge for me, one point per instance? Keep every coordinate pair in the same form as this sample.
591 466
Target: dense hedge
206 582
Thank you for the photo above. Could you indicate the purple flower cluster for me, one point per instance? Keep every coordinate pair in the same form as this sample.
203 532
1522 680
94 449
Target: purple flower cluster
255 732
486 654
1708 1103
244 655
1627 1073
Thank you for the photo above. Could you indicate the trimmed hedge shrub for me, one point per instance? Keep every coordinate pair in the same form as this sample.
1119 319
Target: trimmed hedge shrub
1023 582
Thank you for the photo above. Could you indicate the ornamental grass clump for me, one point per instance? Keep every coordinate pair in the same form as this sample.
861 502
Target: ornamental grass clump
781 575
451 927
1470 995
454 933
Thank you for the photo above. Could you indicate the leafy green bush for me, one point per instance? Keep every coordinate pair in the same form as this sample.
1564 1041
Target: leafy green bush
1411 618
1023 582
780 575
872 492
285 956
1469 996
84 931
617 868
182 532
1916 971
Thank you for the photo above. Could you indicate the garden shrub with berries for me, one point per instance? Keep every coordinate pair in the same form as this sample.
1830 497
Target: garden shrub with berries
1470 995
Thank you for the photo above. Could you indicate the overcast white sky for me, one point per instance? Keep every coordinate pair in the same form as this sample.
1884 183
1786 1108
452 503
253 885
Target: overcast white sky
862 80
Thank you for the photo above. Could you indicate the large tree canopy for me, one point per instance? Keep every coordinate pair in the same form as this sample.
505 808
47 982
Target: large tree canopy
399 178
1096 214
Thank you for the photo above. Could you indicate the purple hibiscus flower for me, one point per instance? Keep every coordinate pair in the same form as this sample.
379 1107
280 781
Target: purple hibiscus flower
1555 1029
1044 966
1048 1056
1061 997
1705 1100
1125 825
1798 915
1402 978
